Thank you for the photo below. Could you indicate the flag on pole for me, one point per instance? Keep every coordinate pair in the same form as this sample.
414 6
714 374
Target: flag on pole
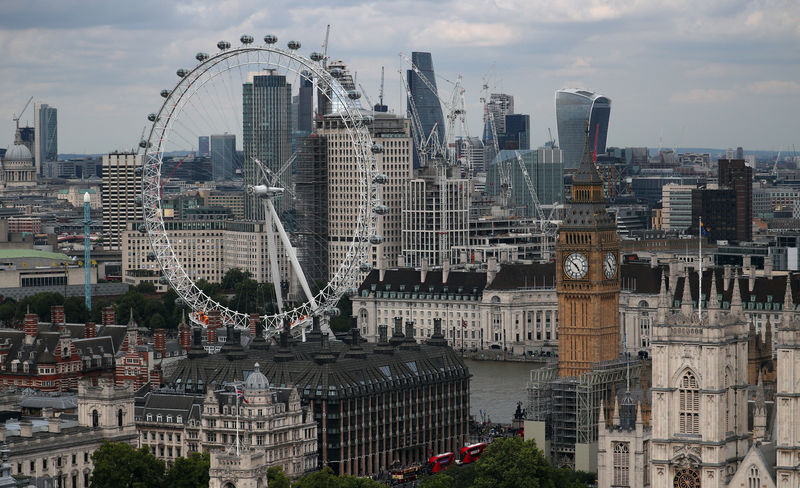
240 396
463 323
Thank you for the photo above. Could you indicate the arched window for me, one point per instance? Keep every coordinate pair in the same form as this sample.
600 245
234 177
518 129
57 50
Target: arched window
621 463
119 417
689 392
754 481
95 418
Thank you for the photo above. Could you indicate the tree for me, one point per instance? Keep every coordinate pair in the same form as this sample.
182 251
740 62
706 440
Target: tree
510 462
191 472
233 277
119 465
75 310
156 321
276 478
146 287
7 311
455 477
327 479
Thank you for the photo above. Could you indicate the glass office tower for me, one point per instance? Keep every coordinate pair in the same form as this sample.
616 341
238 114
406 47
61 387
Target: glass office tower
574 108
427 103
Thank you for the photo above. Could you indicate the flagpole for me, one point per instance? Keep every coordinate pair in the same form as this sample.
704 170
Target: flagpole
237 419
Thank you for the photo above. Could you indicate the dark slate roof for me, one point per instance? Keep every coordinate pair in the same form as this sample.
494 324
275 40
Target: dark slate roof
330 374
515 276
408 280
165 403
642 278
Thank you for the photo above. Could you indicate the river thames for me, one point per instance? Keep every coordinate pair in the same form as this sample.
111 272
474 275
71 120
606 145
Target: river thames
496 387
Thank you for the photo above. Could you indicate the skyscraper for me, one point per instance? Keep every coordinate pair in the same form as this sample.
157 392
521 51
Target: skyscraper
574 108
267 103
223 156
45 122
202 146
121 185
737 176
498 106
429 110
517 132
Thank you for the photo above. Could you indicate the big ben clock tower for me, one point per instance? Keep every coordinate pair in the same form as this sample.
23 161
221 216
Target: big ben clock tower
587 276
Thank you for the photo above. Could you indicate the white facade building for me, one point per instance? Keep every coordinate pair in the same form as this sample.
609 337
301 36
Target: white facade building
121 186
676 207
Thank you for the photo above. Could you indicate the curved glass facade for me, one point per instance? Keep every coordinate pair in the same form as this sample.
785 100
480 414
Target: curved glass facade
427 103
573 109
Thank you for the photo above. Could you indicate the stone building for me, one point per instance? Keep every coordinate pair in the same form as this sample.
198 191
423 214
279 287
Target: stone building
57 450
173 423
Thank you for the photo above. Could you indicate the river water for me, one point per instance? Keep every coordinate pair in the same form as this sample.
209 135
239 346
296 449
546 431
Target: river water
496 388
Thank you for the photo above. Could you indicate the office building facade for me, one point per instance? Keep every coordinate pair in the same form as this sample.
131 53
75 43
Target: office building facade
676 207
517 133
497 108
223 156
45 122
203 145
267 102
736 175
121 186
574 109
545 169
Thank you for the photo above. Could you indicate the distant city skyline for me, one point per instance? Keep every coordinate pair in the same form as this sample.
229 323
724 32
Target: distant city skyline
716 74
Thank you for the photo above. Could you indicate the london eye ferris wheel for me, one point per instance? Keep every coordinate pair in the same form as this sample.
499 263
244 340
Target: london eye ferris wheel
217 97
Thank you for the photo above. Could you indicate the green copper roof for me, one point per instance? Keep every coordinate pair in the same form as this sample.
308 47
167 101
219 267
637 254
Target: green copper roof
32 253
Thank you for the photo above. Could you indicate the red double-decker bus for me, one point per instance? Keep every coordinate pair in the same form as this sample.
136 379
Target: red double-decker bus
472 452
440 462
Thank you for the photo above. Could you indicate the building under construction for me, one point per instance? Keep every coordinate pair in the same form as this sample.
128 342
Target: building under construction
562 414
311 206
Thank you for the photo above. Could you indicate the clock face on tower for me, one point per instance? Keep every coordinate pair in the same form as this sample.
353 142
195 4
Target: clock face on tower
686 478
610 265
576 265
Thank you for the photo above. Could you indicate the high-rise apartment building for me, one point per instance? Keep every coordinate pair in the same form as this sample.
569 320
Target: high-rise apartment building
393 133
472 151
676 207
574 109
121 186
429 110
45 122
736 175
435 216
266 104
223 156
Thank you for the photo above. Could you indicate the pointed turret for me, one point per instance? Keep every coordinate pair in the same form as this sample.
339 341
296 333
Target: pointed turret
615 415
736 297
686 298
788 301
663 300
713 300
132 322
760 413
602 419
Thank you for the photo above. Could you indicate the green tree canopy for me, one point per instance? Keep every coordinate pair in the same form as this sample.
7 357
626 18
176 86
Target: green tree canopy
191 472
119 465
276 478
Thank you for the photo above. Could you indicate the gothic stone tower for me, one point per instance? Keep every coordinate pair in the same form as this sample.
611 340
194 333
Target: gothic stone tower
699 392
787 398
587 276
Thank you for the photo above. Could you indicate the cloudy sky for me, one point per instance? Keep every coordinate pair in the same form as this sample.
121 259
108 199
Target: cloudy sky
709 73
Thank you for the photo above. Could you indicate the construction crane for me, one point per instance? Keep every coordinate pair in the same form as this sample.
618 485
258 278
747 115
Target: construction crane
552 141
381 92
544 226
364 93
775 166
380 107
16 118
325 47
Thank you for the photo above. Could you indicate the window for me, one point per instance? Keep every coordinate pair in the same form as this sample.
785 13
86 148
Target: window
95 418
621 463
689 392
754 480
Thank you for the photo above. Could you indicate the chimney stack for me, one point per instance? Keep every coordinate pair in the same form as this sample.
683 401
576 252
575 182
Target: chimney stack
161 341
423 270
108 317
185 336
25 428
90 330
254 319
57 315
491 270
31 326
445 271
214 322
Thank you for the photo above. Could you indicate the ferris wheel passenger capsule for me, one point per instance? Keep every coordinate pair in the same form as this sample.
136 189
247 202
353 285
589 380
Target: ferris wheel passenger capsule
152 117
332 312
151 256
315 56
365 267
337 72
182 72
375 239
201 57
138 171
354 94
350 292
144 144
164 93
163 280
381 209
270 39
376 149
368 119
245 39
142 229
223 45
137 199
380 179
179 302
293 45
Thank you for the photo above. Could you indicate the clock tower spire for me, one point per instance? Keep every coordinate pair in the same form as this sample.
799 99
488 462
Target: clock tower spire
587 276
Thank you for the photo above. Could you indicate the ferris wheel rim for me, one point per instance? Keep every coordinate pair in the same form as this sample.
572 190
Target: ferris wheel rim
355 123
